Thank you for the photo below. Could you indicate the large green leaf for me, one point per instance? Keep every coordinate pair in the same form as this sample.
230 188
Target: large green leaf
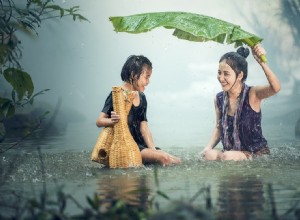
20 81
188 26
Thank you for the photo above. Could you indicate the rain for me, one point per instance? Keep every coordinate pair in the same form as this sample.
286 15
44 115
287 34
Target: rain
79 62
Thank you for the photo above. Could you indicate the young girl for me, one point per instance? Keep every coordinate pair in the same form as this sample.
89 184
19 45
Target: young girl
238 112
136 74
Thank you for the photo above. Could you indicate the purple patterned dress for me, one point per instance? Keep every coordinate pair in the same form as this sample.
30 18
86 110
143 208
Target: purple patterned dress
249 126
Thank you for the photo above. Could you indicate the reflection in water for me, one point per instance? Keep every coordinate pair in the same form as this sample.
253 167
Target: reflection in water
130 187
240 198
243 197
284 203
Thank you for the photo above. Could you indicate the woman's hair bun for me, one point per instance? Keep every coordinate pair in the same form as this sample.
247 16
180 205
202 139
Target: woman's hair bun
244 52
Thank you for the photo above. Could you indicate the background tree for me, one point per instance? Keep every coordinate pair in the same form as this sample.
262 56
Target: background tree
291 13
27 17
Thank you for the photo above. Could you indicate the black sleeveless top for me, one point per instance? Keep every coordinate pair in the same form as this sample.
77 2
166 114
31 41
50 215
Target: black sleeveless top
249 126
136 115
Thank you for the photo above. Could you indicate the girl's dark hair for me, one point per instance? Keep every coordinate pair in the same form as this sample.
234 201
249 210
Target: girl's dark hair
237 61
133 67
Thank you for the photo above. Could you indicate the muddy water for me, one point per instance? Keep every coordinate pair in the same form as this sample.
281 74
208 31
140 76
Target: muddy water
267 187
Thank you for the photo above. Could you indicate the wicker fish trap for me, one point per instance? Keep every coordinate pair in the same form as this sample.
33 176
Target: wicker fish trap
102 147
124 150
115 146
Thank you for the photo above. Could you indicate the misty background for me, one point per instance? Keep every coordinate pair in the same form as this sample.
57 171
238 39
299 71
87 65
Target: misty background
80 61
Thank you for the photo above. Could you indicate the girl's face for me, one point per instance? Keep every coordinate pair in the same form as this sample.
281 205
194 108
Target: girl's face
141 83
226 76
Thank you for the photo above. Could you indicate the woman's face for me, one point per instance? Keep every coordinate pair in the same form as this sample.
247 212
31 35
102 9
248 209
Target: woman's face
141 83
226 76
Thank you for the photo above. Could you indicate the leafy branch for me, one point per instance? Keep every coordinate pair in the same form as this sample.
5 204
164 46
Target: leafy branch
26 17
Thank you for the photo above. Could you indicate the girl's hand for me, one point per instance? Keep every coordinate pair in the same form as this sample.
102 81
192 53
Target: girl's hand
257 51
115 118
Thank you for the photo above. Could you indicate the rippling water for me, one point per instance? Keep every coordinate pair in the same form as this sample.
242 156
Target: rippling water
267 187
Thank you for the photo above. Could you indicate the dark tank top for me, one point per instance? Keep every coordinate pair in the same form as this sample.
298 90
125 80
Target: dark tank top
136 115
249 126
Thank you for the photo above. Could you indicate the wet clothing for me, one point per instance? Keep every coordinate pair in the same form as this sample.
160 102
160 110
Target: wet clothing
233 142
248 125
136 115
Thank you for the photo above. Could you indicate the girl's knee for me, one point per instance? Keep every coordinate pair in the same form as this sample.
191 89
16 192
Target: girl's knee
159 156
167 159
164 159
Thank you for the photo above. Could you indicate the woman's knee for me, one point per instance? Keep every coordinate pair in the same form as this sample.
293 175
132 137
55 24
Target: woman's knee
233 155
211 155
226 156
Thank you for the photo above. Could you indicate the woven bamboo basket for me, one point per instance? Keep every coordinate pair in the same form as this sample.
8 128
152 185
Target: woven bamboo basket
102 147
124 152
122 102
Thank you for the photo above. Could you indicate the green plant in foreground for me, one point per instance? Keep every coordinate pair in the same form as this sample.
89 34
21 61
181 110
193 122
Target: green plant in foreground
45 206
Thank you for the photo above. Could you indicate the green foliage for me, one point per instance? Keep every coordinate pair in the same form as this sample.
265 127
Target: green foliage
188 26
4 50
27 17
20 81
7 108
55 206
47 206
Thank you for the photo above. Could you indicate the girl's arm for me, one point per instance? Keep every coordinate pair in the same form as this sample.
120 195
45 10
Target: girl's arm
216 134
103 119
262 92
147 136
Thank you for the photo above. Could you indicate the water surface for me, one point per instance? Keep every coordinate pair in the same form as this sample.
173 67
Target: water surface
267 187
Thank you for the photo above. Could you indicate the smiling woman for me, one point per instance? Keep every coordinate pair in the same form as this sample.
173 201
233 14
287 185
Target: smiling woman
238 108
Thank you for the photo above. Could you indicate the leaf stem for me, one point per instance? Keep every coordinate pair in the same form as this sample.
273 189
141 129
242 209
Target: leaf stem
251 44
